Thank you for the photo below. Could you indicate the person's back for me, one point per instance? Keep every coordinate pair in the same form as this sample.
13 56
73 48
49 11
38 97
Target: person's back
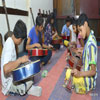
73 34
73 39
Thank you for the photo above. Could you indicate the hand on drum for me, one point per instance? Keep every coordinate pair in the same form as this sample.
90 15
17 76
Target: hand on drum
37 45
24 59
50 46
75 72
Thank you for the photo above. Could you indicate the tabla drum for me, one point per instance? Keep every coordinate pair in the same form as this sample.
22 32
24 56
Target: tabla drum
56 43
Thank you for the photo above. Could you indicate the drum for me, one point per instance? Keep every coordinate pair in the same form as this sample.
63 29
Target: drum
66 37
75 62
38 52
75 58
26 70
57 41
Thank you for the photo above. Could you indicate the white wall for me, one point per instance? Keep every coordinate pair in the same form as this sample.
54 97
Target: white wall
23 5
36 5
17 4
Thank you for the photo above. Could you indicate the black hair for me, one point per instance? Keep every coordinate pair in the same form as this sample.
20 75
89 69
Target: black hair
75 22
49 18
39 21
72 20
82 18
20 30
8 34
68 19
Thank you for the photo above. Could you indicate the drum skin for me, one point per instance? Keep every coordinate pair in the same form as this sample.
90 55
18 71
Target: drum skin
25 71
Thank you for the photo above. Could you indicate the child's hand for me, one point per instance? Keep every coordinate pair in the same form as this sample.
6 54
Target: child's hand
24 59
75 72
37 45
50 46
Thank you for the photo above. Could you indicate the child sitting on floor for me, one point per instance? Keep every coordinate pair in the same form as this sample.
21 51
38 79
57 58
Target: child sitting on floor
84 80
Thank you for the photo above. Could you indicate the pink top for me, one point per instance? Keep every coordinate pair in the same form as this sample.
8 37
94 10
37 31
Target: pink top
78 43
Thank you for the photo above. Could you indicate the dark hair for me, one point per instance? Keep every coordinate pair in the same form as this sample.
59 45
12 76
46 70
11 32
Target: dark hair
82 18
49 18
75 22
68 19
8 34
39 20
20 30
72 20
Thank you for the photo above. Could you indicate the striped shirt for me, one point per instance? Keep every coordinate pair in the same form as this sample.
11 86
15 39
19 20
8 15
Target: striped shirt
90 57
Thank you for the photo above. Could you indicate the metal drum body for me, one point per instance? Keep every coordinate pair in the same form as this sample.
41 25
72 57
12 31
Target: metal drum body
26 70
38 52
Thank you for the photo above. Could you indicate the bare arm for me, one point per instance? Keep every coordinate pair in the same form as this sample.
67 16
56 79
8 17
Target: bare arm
28 46
47 47
89 73
10 66
81 42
